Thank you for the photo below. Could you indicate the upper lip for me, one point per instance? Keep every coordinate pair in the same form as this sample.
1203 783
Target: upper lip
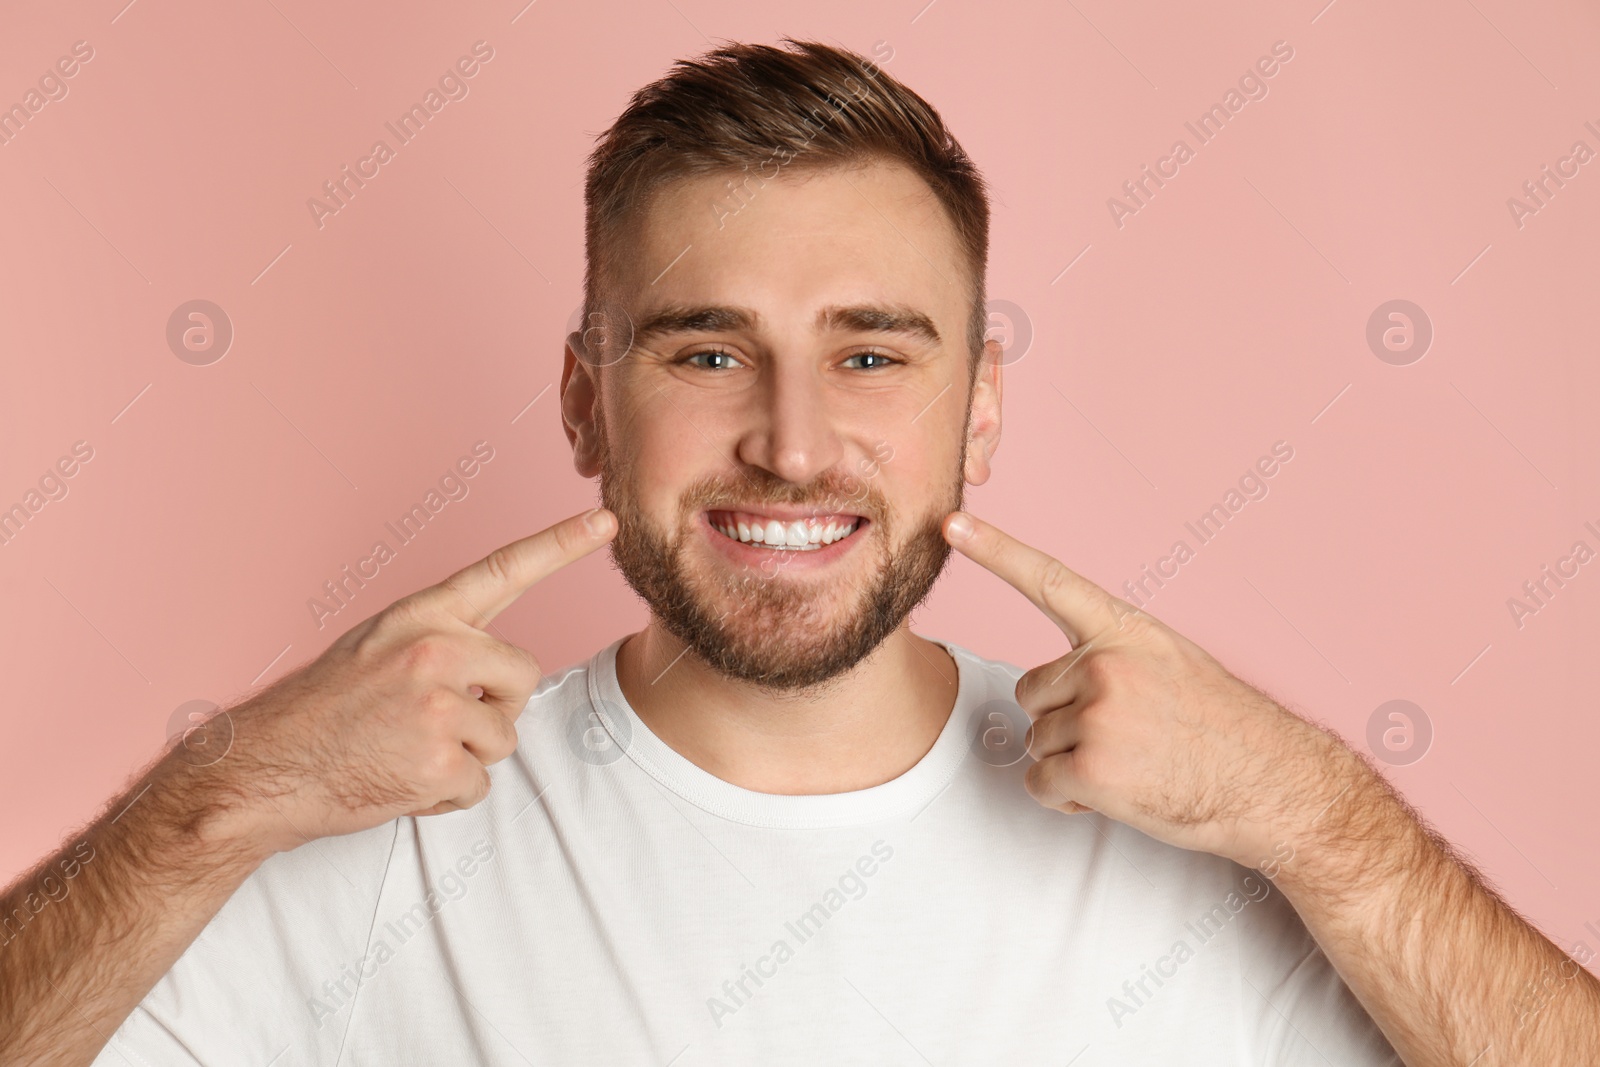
784 513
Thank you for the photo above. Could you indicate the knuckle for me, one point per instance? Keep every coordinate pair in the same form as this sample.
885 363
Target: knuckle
438 764
1091 716
506 740
1089 765
353 637
438 704
568 539
478 790
513 737
1135 624
366 638
425 653
504 751
1039 735
1030 685
398 617
1040 782
1103 668
1056 580
500 565
525 679
529 673
1141 626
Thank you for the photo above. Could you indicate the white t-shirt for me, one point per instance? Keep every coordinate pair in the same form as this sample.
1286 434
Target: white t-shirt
612 903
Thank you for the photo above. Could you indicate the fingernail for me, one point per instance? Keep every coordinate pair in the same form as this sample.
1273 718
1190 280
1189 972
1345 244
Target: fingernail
960 527
595 522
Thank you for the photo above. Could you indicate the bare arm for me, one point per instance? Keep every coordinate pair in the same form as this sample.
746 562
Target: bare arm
1143 725
90 930
384 723
1444 966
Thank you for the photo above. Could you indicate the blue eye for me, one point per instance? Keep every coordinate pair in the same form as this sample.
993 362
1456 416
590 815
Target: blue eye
719 359
886 360
723 357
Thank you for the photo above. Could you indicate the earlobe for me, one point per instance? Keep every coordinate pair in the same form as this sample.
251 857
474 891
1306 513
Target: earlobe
983 428
578 399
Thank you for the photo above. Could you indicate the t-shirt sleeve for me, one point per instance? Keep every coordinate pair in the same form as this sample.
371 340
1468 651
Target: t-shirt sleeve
268 978
1296 1007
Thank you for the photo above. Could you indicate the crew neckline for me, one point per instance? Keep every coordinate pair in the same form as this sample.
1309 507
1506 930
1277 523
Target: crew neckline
911 790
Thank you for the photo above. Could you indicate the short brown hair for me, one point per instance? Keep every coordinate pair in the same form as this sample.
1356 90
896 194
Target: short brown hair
744 106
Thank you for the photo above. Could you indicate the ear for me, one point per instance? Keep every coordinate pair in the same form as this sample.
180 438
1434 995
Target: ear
983 428
579 395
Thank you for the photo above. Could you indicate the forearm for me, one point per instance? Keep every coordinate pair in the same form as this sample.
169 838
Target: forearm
1445 967
89 931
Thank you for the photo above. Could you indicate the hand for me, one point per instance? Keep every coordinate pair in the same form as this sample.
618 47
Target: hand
1141 724
386 721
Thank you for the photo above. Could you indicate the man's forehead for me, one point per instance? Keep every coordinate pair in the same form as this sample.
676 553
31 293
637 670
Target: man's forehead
868 246
883 209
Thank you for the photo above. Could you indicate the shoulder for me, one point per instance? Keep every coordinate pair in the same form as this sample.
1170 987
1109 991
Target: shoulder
996 667
990 679
559 711
293 926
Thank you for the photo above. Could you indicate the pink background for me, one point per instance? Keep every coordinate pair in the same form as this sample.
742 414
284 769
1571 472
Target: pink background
1230 312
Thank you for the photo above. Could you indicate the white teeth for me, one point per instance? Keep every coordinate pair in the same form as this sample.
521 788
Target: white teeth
805 535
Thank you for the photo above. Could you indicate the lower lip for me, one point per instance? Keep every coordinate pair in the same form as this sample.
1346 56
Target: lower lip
771 560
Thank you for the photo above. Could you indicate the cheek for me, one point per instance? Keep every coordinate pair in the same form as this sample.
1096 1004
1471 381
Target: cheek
663 455
913 467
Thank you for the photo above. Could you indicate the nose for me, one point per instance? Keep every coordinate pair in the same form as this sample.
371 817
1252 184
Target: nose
793 434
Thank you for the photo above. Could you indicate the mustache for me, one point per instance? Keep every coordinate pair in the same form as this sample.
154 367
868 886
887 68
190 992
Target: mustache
830 492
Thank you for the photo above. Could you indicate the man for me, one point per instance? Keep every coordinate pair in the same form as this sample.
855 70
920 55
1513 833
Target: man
775 826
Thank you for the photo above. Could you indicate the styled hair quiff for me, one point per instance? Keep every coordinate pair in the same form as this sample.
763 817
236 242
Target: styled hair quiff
757 109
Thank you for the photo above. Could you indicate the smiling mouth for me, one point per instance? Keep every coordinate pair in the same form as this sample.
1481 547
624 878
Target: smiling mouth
790 535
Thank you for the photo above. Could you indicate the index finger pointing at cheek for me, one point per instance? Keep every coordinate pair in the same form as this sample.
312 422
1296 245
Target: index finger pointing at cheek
480 591
1075 604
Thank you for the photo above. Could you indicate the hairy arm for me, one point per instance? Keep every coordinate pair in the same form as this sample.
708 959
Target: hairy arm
1448 970
90 930
400 716
1143 725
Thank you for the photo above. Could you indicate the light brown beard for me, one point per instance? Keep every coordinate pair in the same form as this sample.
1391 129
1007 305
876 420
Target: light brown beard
775 635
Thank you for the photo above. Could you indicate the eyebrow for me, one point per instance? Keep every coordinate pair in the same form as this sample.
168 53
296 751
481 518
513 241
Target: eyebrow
853 318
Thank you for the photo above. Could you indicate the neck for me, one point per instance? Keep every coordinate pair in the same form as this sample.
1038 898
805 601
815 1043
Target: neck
861 729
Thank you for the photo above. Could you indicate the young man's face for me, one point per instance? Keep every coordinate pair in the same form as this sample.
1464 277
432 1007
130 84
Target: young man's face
762 392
